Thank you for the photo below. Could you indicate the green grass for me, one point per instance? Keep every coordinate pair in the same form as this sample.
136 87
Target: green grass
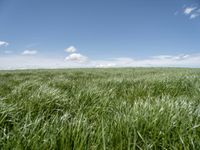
110 109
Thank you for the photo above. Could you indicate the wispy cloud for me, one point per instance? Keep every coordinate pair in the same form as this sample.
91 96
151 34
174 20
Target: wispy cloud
192 12
76 57
29 52
176 13
7 52
3 43
71 49
192 16
182 60
177 57
31 45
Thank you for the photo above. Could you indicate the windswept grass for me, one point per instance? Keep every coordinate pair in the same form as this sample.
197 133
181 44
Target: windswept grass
100 109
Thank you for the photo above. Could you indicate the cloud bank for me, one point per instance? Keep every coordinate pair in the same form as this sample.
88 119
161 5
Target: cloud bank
77 60
74 60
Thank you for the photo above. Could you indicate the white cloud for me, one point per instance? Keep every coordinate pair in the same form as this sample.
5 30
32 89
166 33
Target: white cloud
192 16
188 10
29 52
71 49
3 43
76 57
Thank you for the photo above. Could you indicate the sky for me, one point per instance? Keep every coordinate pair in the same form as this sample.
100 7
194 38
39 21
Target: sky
99 33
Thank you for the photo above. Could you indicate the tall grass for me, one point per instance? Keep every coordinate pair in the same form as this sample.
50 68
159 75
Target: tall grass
130 108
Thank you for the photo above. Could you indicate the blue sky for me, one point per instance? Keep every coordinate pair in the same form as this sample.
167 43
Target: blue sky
104 33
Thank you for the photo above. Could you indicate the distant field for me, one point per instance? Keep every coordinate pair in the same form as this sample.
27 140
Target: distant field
130 108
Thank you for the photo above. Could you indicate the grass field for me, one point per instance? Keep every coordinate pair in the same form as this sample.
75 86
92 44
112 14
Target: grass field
130 108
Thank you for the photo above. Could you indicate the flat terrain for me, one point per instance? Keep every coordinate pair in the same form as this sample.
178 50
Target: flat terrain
130 108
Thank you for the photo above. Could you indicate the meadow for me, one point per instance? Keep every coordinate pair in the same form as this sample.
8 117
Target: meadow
108 109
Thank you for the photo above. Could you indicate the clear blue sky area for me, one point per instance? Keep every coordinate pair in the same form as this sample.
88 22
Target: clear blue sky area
101 29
